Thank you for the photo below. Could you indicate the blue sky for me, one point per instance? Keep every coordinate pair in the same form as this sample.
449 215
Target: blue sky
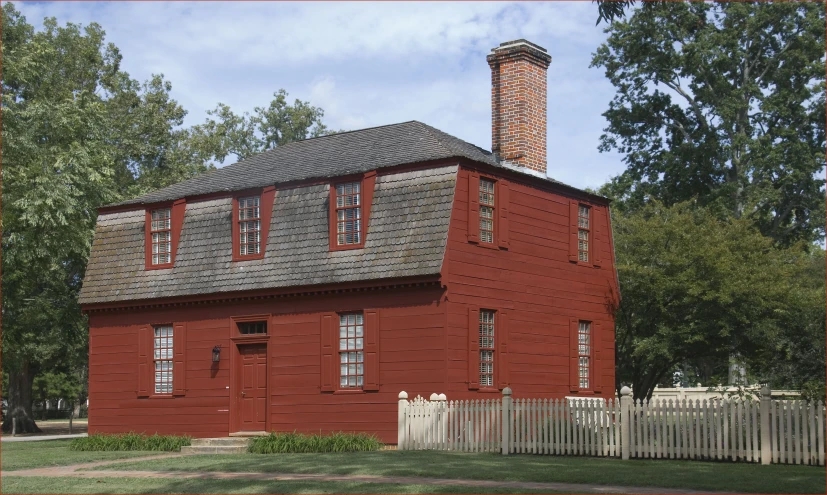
366 64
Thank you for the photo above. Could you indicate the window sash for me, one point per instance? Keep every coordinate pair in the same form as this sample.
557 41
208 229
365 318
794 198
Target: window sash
249 225
162 355
351 350
487 206
583 233
487 350
584 353
161 236
348 213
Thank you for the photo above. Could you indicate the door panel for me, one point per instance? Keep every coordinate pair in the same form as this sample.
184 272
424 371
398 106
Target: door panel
253 387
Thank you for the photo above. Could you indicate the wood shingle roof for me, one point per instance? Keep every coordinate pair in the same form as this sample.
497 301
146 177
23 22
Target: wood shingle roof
406 237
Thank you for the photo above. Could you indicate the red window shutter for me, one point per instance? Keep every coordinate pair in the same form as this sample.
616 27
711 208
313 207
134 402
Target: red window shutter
598 215
573 229
574 381
268 197
501 360
328 364
473 207
179 368
371 382
177 223
598 376
473 349
502 214
144 361
368 185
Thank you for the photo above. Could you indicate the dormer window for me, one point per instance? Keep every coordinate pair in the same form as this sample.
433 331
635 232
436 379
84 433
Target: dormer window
348 214
349 209
161 231
252 212
249 225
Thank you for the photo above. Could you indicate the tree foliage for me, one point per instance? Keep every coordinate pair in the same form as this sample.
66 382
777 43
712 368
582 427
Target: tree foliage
696 286
226 133
724 103
78 133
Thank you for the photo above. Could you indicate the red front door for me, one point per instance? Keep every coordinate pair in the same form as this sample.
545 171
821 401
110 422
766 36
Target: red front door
252 387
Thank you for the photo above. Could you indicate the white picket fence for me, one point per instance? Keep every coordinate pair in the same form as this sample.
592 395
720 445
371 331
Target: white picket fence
787 432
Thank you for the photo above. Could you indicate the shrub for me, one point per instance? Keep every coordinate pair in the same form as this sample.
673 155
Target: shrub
283 443
130 441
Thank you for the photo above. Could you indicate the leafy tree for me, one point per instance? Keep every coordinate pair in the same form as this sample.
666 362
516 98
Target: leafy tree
78 133
725 103
794 358
696 286
225 133
612 10
56 170
52 386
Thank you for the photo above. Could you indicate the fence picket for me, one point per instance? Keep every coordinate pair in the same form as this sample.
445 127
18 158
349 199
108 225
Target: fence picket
645 423
546 426
748 431
811 451
591 430
774 432
795 456
720 428
753 431
670 423
820 429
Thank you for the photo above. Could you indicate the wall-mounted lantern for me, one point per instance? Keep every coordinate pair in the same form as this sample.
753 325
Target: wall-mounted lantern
216 354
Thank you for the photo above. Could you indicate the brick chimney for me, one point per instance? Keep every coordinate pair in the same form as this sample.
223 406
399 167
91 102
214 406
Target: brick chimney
518 103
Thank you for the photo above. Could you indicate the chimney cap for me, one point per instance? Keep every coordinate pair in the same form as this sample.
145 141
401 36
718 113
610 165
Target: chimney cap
515 43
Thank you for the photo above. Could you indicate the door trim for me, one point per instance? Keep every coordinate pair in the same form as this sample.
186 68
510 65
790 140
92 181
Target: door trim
235 380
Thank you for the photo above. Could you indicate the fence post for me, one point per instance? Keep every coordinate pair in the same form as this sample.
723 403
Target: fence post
625 421
402 434
766 438
505 441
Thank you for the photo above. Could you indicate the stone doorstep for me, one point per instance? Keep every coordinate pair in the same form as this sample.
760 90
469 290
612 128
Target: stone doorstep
211 449
220 442
222 445
249 434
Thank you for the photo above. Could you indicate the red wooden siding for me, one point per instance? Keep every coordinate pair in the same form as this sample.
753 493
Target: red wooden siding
534 288
404 332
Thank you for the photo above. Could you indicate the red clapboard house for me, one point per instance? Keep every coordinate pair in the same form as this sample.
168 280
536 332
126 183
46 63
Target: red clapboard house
305 287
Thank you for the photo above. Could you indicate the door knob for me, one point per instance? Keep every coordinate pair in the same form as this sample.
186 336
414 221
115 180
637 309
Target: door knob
243 394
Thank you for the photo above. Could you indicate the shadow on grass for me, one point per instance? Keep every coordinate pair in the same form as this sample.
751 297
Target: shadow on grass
711 476
11 484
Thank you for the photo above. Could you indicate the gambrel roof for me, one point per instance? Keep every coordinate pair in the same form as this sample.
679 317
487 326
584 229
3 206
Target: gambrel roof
406 235
329 156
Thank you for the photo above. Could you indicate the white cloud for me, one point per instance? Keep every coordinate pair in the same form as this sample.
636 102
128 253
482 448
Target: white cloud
366 63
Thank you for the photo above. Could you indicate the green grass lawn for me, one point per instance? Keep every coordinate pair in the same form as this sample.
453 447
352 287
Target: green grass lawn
28 455
12 484
725 477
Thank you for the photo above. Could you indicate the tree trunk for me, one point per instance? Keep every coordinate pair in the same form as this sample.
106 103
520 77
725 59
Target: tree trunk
20 402
45 409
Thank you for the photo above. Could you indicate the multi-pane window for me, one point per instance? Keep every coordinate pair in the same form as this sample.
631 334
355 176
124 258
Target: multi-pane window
348 214
252 328
249 225
584 352
486 348
583 233
161 231
351 350
162 347
486 210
